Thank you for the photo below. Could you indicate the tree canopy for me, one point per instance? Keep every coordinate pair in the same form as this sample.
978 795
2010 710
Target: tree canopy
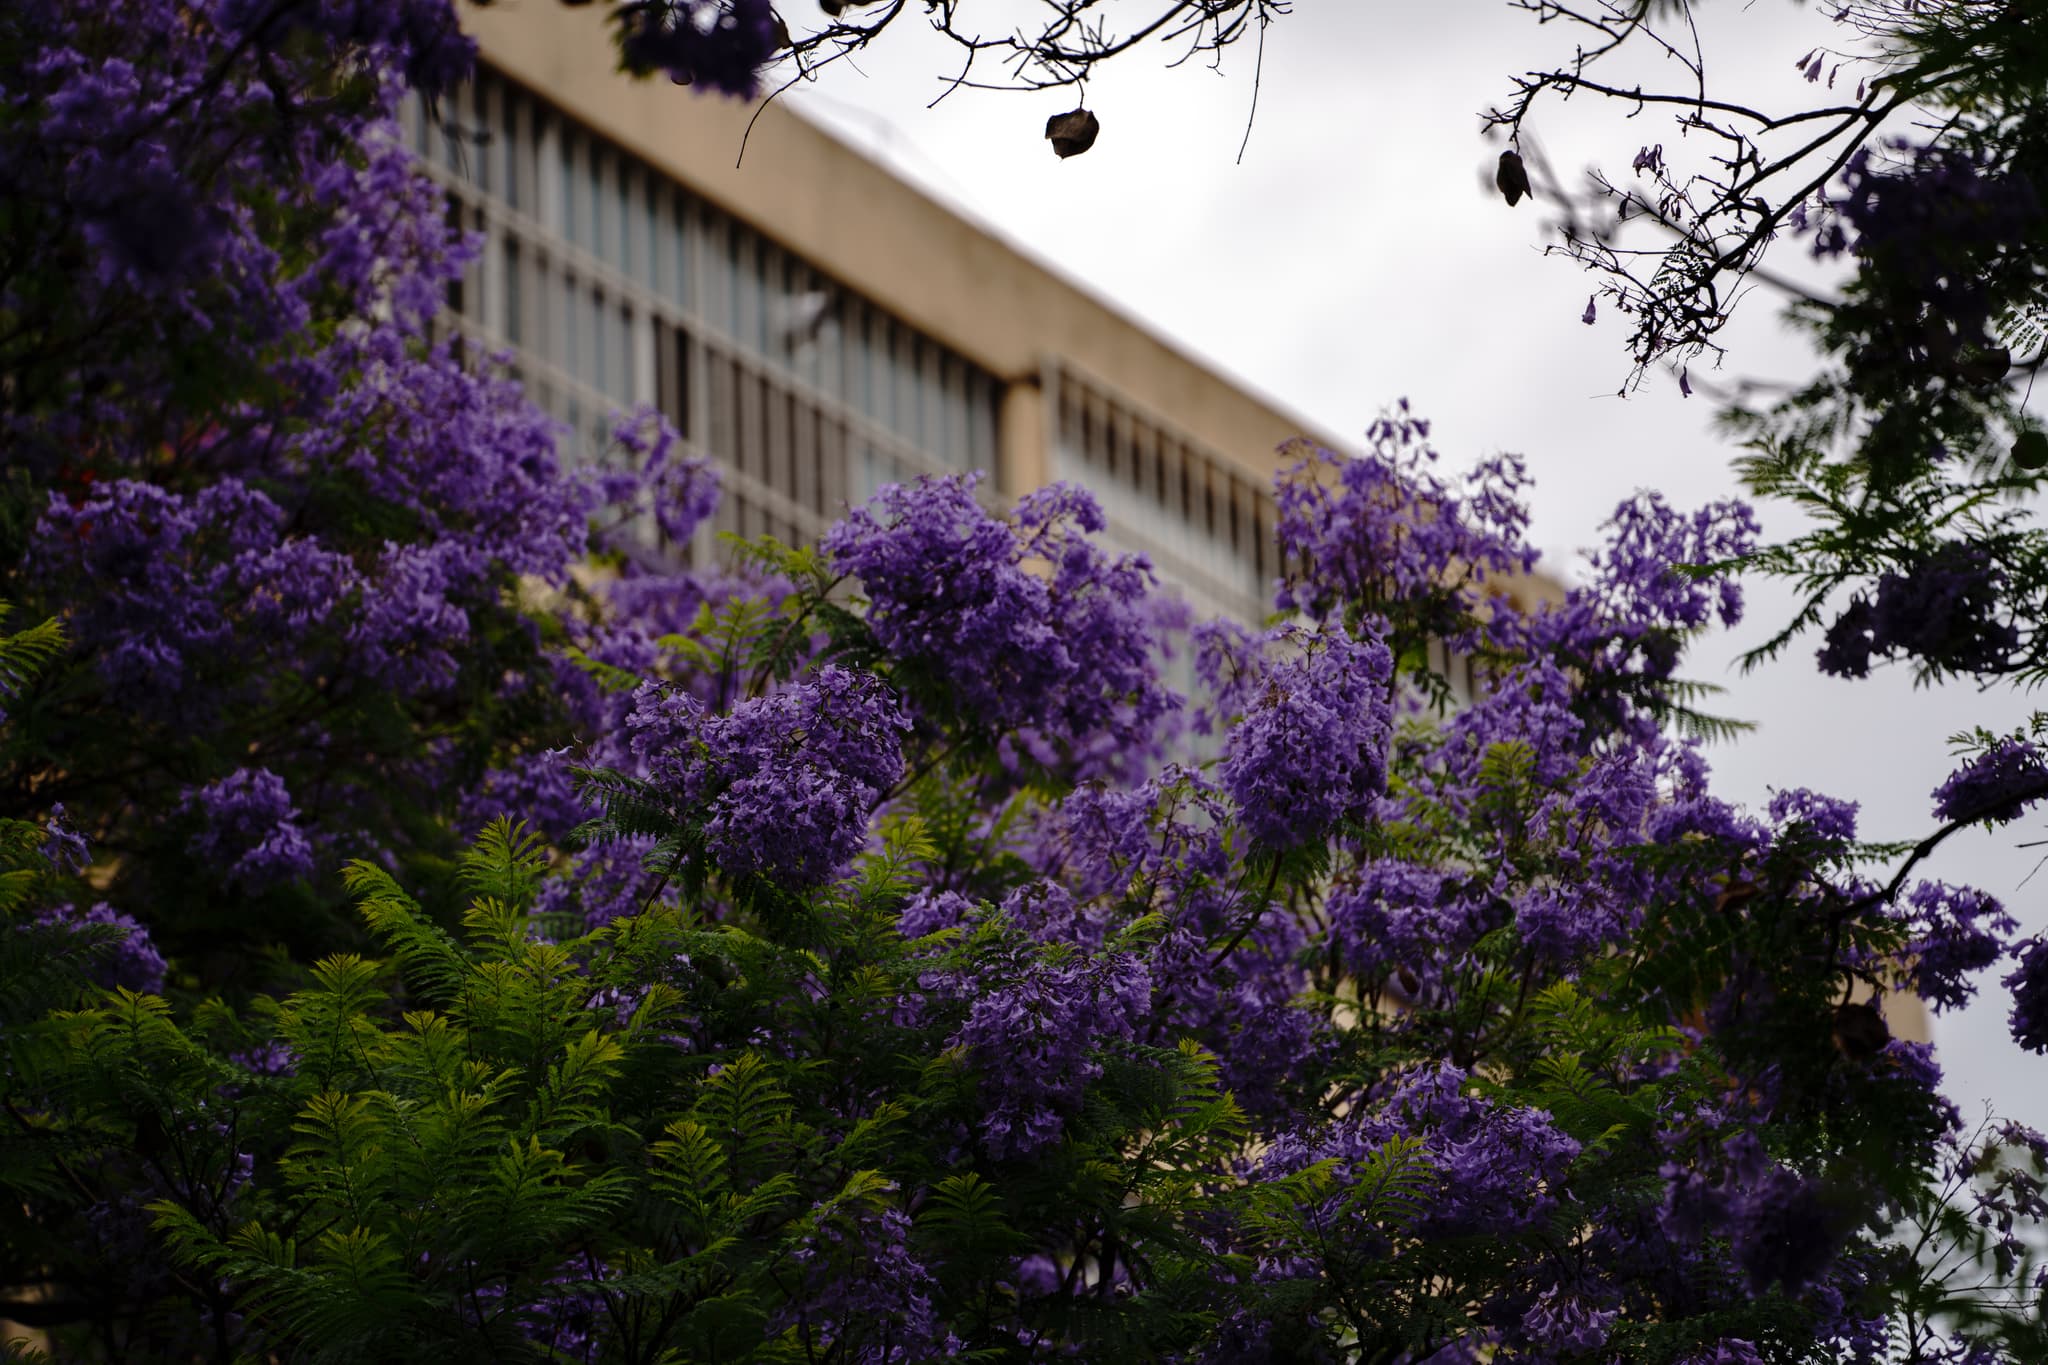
857 952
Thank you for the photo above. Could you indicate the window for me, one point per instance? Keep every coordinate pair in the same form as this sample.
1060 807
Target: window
810 395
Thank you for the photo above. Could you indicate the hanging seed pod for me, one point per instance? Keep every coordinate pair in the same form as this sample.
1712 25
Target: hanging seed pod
1073 132
1983 366
2030 449
1860 1031
1512 177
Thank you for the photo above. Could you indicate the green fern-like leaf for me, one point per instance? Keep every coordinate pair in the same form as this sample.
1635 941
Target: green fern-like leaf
26 653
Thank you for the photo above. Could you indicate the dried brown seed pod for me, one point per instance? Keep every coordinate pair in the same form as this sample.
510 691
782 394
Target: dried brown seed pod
1073 132
1860 1031
2030 449
1512 177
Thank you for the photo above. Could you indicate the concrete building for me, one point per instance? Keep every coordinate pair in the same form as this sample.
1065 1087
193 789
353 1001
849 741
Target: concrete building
814 324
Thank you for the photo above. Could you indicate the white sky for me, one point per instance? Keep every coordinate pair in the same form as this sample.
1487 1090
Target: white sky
1358 255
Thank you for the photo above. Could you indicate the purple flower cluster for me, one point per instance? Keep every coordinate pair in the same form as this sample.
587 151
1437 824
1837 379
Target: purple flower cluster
1625 627
680 492
420 37
1312 747
864 1297
1034 1024
1957 933
1996 786
1943 610
1565 1323
2028 982
64 848
249 830
1920 214
717 44
1782 1228
1025 625
783 785
1388 529
130 962
1824 819
603 883
1491 1171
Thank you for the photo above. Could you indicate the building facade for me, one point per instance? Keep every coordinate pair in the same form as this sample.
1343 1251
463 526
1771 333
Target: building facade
813 324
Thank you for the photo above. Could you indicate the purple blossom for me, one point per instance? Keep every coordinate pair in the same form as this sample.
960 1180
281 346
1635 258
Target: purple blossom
1312 748
603 883
1915 213
1996 786
249 830
1942 609
130 962
1729 1351
1387 529
271 1058
863 1296
1564 1322
1822 818
1033 1027
538 789
421 36
2028 982
63 848
784 784
1496 1170
1957 932
680 492
955 602
1785 1230
1624 629
409 629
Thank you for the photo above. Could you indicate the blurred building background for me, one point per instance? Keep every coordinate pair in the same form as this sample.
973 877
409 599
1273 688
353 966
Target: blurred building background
815 325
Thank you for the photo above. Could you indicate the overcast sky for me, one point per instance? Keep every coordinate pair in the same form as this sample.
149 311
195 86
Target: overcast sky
1357 256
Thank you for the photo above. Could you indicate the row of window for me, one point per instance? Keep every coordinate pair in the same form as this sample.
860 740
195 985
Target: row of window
1204 523
653 243
616 287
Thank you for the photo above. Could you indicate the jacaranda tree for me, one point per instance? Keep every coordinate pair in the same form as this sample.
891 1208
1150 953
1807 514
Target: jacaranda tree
1917 177
852 959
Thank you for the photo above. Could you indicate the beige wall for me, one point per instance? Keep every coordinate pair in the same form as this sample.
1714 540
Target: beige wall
847 216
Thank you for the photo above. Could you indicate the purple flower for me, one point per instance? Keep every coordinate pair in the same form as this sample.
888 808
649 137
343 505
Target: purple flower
249 830
783 786
64 848
1958 932
1785 1230
1034 1025
1312 748
1565 1322
602 883
955 602
421 36
1388 531
1942 609
2028 982
1823 818
1996 786
270 1058
862 1295
681 492
1730 1351
130 962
